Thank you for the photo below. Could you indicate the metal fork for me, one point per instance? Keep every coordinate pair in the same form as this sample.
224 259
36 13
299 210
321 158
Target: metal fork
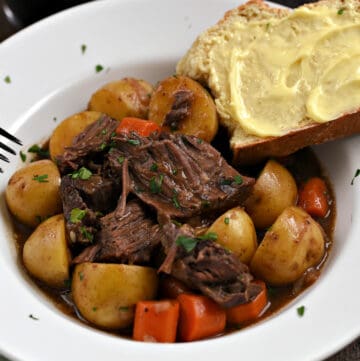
3 146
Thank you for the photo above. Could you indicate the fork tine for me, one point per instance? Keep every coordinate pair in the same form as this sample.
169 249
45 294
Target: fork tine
9 136
5 159
8 149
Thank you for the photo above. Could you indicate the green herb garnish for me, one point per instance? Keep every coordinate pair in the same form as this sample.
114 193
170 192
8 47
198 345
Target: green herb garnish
121 159
212 236
341 11
226 220
83 48
156 183
225 182
81 275
189 243
357 173
76 215
199 141
7 79
174 171
154 167
94 309
43 178
300 311
39 151
22 156
133 141
83 173
99 68
88 235
238 179
176 201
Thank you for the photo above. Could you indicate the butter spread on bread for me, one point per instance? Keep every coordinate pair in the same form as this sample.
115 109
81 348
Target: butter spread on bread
281 72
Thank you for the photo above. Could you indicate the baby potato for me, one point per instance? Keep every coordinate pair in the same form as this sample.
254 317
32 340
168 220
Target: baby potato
182 105
236 232
66 131
33 192
127 97
106 294
274 190
46 255
294 243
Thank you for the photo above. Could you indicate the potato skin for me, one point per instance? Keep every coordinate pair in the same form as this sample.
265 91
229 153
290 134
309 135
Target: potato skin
201 119
236 232
274 190
294 243
66 131
128 97
46 255
30 200
106 294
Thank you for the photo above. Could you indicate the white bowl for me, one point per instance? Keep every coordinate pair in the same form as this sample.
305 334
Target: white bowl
51 78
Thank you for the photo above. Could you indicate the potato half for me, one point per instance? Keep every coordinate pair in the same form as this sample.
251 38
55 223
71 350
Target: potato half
66 131
33 192
106 294
46 255
236 232
182 105
294 243
274 190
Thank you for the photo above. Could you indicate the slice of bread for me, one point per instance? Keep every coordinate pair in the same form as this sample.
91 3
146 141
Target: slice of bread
199 62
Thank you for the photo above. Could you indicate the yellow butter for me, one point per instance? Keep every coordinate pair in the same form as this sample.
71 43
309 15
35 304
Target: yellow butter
297 69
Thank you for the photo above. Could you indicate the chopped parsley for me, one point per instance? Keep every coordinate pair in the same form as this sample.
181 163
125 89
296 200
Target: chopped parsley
81 275
212 236
238 179
7 79
99 68
76 215
226 220
88 235
156 183
104 131
33 317
225 182
188 243
300 311
341 11
43 178
121 159
134 141
83 48
94 309
174 171
102 146
176 201
357 173
22 156
82 173
39 151
154 167
199 141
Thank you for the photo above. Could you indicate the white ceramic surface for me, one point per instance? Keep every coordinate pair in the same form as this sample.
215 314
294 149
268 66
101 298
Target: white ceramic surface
50 77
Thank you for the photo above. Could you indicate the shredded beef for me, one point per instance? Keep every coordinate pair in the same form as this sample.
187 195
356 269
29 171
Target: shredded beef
180 109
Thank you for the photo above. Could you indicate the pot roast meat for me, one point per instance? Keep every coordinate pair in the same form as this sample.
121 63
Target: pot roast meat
181 176
95 139
209 268
131 238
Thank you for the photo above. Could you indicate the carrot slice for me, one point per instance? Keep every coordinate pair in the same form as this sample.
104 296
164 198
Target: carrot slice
200 317
156 321
313 197
250 310
140 126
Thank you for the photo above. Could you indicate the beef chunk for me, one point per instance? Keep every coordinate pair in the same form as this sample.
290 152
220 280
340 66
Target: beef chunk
181 176
208 267
130 238
81 221
100 194
96 139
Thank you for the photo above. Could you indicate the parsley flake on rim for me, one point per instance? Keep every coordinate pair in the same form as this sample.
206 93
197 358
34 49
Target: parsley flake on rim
357 173
300 311
99 68
39 151
76 215
83 48
42 178
22 156
7 79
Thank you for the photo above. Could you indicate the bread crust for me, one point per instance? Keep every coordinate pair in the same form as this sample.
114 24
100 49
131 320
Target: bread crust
315 133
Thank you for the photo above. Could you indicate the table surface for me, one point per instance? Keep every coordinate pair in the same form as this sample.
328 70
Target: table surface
351 352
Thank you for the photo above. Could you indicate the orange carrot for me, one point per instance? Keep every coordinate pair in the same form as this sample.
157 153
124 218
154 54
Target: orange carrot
250 310
156 321
200 317
140 126
313 197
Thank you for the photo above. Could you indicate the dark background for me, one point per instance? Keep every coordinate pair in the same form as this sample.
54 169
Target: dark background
17 14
